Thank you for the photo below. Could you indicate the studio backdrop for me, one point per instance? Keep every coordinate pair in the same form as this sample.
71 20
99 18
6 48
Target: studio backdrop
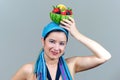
21 23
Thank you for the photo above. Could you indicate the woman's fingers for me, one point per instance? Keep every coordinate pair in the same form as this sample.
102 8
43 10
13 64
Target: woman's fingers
68 24
65 22
64 25
71 19
67 28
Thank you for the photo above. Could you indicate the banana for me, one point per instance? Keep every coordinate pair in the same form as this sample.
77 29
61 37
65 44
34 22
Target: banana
62 7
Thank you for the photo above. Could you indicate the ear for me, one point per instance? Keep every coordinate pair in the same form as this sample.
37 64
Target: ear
43 41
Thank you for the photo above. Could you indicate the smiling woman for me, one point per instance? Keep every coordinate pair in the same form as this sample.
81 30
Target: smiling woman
51 64
56 44
54 47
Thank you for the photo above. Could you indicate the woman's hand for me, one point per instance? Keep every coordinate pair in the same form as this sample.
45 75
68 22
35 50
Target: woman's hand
70 25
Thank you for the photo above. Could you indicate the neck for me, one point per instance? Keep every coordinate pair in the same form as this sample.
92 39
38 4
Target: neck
51 62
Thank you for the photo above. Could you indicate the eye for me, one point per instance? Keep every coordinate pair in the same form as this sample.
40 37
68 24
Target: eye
52 41
62 43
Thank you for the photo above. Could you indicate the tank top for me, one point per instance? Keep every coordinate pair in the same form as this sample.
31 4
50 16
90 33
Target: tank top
57 74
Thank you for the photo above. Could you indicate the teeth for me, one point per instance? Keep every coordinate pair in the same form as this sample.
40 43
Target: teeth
54 52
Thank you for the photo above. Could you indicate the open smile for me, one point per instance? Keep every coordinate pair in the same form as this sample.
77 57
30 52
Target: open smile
54 53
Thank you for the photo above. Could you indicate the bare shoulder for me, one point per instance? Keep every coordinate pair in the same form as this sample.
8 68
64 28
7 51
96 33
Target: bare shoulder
71 60
24 72
28 68
71 64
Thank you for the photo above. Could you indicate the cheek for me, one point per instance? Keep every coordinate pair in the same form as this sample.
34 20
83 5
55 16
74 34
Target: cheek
63 48
48 45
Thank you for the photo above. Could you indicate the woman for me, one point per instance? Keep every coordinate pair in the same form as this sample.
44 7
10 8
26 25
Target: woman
51 65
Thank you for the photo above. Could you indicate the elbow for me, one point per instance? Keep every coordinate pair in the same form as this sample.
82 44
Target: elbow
107 57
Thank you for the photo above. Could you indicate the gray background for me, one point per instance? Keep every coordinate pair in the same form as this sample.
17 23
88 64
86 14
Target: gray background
21 22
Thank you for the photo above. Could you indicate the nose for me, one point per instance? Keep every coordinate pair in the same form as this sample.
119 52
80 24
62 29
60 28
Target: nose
56 47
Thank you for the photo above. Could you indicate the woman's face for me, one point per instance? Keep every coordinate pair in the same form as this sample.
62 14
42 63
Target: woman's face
54 45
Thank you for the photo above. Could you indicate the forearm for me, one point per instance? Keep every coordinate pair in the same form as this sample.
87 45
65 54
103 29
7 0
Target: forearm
95 47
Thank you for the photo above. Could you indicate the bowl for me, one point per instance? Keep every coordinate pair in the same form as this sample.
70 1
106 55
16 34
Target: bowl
58 17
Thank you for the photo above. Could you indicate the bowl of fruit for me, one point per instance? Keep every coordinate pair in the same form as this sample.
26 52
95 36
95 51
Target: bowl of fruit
60 12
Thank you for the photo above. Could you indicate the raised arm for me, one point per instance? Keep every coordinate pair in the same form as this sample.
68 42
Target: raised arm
100 54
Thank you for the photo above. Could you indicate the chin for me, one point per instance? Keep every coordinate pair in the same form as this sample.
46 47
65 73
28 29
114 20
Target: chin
54 57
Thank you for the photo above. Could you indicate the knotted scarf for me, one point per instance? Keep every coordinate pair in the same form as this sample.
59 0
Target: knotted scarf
41 72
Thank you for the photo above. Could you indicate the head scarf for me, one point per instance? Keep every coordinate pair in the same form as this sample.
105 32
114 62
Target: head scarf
53 26
40 66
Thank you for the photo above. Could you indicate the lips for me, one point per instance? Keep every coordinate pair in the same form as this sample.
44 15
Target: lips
54 53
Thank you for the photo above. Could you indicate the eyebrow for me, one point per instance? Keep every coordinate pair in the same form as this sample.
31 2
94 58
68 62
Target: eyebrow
60 41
